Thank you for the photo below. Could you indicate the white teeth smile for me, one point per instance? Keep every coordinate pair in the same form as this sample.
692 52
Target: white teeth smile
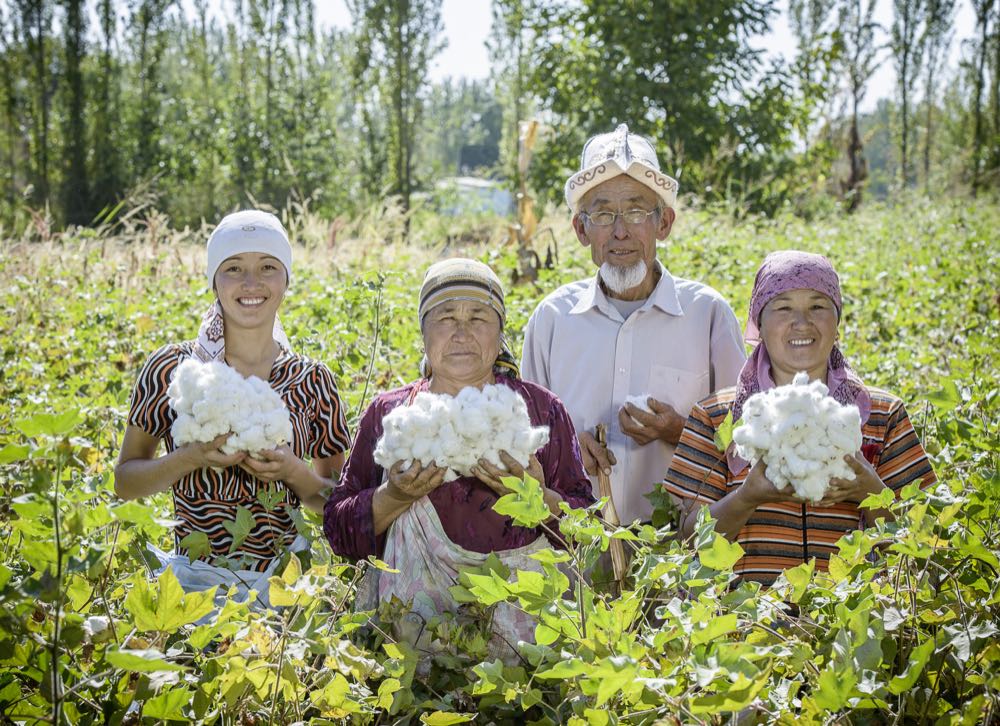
801 341
250 300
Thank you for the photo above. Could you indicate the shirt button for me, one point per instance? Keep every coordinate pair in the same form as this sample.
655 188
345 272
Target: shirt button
621 370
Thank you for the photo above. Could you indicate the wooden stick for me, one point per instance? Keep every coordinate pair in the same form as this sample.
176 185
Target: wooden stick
611 513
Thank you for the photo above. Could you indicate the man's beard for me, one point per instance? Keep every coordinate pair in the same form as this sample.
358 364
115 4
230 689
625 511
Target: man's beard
621 279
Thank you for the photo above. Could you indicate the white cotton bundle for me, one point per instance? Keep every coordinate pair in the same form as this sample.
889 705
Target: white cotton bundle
801 433
640 402
454 432
211 399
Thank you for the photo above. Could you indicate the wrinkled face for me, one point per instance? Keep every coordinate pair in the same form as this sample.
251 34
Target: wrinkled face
799 328
462 340
622 244
250 287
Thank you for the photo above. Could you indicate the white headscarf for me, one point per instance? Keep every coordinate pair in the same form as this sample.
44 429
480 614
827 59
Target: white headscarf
248 231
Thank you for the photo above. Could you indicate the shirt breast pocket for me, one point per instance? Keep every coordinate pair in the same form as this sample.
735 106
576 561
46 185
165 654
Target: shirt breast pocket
679 387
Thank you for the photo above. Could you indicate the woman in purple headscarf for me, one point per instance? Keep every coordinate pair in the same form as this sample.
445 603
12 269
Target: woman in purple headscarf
795 310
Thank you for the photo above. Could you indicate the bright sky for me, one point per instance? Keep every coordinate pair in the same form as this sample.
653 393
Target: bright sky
467 26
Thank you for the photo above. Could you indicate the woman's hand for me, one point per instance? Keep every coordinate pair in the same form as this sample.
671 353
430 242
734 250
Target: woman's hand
757 489
201 455
280 464
866 481
414 482
490 475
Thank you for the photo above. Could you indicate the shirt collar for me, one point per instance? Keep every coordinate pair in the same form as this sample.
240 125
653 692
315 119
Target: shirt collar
664 296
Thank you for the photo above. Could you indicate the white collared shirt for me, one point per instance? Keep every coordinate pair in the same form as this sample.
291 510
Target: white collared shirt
682 344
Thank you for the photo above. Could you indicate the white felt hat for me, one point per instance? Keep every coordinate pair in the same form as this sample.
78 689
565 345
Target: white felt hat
605 156
248 231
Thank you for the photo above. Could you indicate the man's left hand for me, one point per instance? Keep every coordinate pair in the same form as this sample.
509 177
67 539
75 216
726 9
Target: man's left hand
661 423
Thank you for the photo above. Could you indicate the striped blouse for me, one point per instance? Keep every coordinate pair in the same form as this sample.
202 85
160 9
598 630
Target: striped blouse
782 535
206 499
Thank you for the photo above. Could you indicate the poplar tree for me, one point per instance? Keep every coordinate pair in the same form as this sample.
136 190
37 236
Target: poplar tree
396 42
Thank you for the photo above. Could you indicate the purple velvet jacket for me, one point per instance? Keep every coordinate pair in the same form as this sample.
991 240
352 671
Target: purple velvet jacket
465 505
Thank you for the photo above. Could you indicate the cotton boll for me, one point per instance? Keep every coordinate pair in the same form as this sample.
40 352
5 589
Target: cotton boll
801 434
473 425
212 399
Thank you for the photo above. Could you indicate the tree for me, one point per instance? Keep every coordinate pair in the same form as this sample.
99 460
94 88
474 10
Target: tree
908 36
511 43
683 74
148 18
36 18
396 41
75 187
858 63
984 12
937 38
108 184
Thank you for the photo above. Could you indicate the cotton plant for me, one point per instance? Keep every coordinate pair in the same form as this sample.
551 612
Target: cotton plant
802 435
211 399
454 432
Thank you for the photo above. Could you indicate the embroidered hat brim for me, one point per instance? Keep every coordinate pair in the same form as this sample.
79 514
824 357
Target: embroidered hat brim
606 156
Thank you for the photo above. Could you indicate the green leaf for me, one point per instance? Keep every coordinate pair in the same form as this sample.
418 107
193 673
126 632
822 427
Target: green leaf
380 565
721 554
168 607
714 628
196 544
445 718
914 666
835 688
488 589
564 669
49 424
270 498
140 661
14 452
239 528
169 705
882 500
947 398
799 578
386 691
724 434
612 675
525 504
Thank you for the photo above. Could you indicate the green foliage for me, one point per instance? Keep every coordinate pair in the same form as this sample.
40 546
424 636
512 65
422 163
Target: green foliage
681 74
901 627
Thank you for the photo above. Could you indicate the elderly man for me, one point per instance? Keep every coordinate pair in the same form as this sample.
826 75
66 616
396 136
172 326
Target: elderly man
633 333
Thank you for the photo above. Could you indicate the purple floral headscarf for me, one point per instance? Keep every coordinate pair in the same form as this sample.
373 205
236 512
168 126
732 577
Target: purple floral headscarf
779 273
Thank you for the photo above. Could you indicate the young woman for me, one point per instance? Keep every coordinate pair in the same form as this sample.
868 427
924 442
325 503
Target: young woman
249 268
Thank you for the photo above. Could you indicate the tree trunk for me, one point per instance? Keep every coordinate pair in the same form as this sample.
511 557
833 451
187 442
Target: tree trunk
982 20
76 195
929 131
855 151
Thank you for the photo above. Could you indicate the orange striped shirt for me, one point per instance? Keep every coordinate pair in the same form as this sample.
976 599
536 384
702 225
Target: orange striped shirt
205 499
782 535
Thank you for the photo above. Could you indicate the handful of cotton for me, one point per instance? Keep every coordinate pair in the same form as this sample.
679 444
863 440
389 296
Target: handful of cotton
454 432
212 399
801 433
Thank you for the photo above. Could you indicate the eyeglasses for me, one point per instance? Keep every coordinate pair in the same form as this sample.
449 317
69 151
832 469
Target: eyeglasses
629 216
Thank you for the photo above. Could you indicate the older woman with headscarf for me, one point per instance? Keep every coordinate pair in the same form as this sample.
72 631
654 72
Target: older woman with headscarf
408 515
249 264
795 309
